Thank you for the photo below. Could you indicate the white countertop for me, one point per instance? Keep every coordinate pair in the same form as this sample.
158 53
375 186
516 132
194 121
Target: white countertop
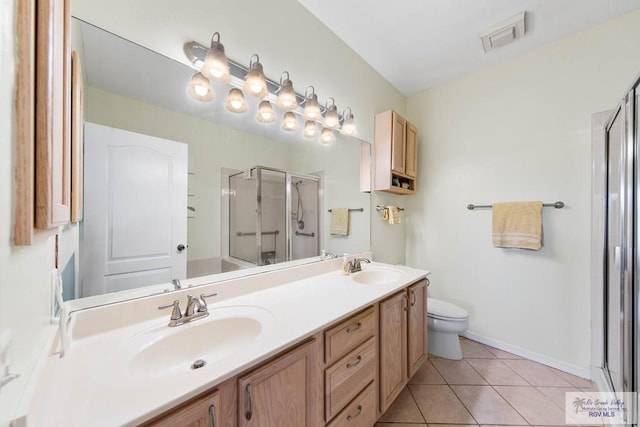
91 386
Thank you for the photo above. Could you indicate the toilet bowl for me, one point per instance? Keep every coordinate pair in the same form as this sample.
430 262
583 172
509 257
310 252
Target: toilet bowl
444 322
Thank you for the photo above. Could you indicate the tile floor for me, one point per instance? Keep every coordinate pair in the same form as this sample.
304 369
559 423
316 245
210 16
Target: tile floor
487 387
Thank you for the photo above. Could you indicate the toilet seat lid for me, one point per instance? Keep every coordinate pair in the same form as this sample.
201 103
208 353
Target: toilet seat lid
439 308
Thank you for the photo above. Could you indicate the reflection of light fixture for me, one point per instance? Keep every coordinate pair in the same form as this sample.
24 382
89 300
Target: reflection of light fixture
311 105
327 136
310 129
287 97
235 101
255 84
289 122
331 117
216 66
200 89
265 112
349 124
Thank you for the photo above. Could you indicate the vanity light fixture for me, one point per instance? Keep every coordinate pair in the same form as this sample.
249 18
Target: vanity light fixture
287 97
311 105
235 101
216 65
200 89
348 124
255 84
289 122
310 129
327 136
331 117
265 112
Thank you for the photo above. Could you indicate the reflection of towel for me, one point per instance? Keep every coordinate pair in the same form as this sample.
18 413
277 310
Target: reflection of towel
340 221
517 225
393 214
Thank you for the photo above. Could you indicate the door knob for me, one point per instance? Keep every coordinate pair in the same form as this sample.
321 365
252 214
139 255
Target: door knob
181 247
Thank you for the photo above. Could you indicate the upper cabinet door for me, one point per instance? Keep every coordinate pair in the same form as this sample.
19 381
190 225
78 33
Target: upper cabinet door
411 150
398 138
52 120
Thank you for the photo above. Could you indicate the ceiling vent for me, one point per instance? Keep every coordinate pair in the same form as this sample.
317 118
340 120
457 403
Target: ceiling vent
503 33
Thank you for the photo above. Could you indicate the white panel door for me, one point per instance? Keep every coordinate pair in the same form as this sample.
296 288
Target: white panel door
135 221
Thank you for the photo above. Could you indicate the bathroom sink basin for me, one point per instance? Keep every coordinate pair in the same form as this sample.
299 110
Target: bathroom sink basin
378 276
161 351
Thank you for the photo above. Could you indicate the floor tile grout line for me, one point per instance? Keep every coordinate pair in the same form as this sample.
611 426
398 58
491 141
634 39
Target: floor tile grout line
509 403
415 402
506 366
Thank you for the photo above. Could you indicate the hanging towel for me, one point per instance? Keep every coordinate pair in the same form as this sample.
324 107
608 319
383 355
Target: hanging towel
517 225
394 214
340 221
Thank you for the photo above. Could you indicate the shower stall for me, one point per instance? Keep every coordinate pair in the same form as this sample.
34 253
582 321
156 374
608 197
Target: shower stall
273 215
615 209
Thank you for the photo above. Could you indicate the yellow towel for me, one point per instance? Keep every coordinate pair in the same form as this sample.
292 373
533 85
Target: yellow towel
340 221
394 214
517 225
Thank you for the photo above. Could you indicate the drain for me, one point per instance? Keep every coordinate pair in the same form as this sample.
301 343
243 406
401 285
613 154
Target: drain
198 364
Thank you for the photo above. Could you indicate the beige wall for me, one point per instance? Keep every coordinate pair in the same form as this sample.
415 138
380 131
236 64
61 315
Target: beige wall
519 130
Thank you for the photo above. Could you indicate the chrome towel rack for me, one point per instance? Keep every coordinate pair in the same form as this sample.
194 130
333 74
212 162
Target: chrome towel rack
351 210
300 233
381 208
557 205
253 233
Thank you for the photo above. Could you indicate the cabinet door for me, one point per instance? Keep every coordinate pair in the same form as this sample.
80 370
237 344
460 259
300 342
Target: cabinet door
202 412
417 330
411 156
282 393
398 139
393 348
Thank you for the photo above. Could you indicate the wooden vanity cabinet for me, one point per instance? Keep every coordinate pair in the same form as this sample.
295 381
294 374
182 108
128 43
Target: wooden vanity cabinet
203 411
402 340
396 154
281 393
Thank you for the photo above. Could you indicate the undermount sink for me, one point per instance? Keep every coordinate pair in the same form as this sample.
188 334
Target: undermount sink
378 276
162 351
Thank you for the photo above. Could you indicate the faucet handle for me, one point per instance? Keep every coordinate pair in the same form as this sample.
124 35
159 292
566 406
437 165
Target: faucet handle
176 313
204 301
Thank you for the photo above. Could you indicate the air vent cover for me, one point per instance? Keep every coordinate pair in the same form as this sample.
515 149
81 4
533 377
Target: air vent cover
504 32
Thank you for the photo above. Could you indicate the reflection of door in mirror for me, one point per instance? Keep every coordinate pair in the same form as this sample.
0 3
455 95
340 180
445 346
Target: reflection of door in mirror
135 217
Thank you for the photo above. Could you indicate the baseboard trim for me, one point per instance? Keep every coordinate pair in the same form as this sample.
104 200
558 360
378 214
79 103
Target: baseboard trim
536 357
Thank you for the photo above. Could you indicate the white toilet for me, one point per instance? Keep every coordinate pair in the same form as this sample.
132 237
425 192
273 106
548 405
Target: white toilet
444 322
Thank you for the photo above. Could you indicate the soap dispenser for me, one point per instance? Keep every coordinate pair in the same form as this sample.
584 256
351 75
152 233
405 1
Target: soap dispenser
345 264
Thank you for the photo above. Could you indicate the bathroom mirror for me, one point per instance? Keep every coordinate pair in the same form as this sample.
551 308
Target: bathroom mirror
134 90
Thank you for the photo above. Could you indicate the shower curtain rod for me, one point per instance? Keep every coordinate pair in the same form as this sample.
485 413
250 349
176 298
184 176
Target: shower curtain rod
557 205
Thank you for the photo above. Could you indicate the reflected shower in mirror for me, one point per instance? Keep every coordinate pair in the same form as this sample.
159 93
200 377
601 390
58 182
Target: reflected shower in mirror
164 175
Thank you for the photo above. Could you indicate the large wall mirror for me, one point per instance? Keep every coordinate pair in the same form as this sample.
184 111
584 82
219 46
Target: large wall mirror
199 184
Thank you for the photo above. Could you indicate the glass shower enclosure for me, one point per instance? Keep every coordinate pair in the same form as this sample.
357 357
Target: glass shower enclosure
273 215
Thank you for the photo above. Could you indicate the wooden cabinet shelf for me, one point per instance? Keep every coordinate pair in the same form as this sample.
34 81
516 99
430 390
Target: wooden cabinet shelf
396 154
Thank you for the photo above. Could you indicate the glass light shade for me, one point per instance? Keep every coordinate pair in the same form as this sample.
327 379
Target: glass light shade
255 84
349 125
200 89
331 118
235 101
310 129
287 97
312 108
327 136
216 66
289 122
265 112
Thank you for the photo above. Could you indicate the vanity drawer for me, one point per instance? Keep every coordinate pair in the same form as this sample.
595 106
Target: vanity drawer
348 377
359 413
348 334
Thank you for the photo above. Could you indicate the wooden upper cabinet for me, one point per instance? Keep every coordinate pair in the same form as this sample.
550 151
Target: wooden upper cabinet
282 393
396 154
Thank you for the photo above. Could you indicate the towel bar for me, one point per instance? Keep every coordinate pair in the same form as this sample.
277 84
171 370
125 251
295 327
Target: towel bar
380 208
350 210
557 205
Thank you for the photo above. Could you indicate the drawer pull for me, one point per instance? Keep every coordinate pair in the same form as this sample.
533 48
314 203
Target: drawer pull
249 413
354 328
405 302
413 298
351 365
350 417
212 413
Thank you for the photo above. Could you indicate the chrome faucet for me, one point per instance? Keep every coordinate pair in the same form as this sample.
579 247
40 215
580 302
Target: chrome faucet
196 309
354 264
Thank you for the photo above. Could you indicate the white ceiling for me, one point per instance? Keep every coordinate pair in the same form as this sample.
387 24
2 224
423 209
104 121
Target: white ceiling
417 44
